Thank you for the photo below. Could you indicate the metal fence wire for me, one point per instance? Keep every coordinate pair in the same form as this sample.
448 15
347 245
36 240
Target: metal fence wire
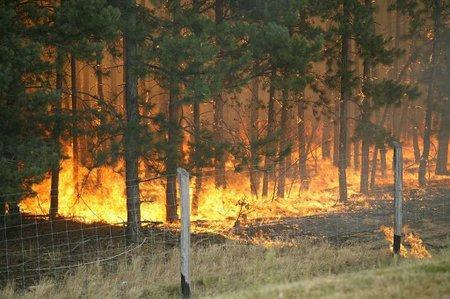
33 247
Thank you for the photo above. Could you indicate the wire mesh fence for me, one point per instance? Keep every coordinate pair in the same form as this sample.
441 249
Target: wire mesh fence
33 247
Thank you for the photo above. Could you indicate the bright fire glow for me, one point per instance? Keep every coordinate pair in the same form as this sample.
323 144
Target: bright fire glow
102 197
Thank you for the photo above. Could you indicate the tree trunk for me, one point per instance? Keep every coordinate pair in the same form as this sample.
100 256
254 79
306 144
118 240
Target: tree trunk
56 135
356 154
173 140
415 136
365 118
402 123
364 182
336 133
75 156
383 164
302 155
253 134
429 101
268 163
220 179
197 158
282 145
443 139
101 96
326 136
131 136
345 92
373 171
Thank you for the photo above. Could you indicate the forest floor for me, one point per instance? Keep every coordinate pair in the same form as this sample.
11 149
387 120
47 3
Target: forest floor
426 213
340 254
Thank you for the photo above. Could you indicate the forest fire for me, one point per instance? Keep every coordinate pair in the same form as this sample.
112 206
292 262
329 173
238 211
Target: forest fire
101 196
416 247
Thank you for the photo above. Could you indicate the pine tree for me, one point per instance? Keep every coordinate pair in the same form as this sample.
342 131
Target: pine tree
26 151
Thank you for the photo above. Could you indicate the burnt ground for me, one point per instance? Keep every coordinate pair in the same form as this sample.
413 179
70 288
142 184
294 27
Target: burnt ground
34 247
426 212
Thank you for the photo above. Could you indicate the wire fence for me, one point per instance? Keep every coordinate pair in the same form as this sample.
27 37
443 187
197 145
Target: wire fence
33 247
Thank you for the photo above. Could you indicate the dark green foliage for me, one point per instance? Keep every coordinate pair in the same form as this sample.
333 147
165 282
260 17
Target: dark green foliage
26 150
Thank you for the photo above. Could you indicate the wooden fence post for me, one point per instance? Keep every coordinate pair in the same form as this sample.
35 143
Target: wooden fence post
185 234
398 196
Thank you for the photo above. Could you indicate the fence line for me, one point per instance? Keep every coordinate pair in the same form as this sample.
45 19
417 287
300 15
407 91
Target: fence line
36 247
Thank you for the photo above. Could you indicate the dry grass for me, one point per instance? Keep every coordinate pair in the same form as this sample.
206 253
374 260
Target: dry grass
239 270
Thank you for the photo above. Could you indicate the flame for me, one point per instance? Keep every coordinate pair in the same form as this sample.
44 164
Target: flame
101 197
417 248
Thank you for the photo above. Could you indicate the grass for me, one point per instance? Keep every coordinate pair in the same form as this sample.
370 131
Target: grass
235 270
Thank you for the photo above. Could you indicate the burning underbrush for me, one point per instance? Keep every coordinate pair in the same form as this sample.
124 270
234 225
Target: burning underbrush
100 196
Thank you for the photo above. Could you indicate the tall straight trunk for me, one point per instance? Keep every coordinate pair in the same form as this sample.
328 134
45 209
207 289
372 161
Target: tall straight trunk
326 136
364 179
101 96
415 136
336 133
131 136
56 135
75 154
173 140
356 154
443 139
99 75
373 170
84 144
282 145
396 121
348 142
383 163
198 162
345 92
253 134
430 96
365 118
402 123
268 163
220 179
377 148
301 135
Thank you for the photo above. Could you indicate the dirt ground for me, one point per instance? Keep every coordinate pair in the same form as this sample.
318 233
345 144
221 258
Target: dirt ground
426 212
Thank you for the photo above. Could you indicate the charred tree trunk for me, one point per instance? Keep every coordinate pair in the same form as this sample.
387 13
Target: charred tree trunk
56 135
336 133
415 136
443 139
74 95
268 163
326 136
198 159
282 145
345 92
383 164
302 156
365 118
173 147
364 180
101 96
220 179
131 135
253 134
373 170
423 164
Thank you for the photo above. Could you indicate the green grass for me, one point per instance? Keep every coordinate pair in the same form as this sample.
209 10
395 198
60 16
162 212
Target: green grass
233 270
408 279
